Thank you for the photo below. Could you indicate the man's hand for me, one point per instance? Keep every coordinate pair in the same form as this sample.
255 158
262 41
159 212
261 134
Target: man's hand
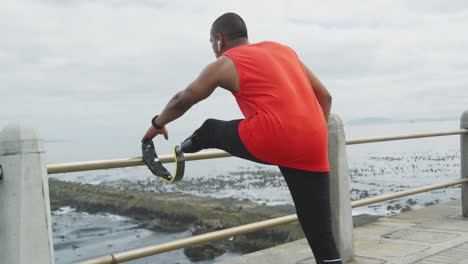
152 132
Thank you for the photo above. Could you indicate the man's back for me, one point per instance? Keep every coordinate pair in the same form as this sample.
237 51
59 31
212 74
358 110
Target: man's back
284 122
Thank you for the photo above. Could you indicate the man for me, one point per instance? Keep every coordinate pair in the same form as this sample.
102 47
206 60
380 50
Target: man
285 108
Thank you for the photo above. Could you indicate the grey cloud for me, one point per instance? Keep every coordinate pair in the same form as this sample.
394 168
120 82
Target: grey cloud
79 69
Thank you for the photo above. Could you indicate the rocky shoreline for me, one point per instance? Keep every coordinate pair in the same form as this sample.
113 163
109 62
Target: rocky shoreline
175 212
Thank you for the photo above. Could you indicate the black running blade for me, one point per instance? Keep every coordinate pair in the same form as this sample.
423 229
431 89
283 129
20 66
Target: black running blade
150 158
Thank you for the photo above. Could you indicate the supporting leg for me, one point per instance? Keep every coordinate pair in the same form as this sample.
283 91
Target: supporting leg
311 195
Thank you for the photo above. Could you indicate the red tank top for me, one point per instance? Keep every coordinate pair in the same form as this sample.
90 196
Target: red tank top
284 123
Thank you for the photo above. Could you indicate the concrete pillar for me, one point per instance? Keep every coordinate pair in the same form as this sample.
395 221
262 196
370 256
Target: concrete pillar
464 162
339 189
25 221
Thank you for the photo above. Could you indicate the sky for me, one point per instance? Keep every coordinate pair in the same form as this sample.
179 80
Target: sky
94 72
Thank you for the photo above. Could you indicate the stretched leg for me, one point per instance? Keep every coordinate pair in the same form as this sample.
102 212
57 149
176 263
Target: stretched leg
311 195
221 135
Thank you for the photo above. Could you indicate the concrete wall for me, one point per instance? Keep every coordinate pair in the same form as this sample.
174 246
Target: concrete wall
464 162
339 188
25 221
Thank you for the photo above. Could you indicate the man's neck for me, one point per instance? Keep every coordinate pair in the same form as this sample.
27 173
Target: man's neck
237 42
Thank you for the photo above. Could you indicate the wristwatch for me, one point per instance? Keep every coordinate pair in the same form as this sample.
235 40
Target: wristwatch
153 122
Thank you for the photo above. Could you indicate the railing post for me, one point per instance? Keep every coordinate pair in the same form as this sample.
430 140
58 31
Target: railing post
339 189
25 221
464 162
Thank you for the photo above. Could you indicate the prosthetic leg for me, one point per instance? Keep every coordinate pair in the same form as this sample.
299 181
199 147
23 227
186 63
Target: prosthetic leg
150 158
189 146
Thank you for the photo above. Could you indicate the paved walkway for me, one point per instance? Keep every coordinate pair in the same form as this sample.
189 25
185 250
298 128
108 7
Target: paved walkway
433 235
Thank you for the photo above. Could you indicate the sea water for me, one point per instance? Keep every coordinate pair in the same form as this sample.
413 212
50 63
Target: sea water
375 169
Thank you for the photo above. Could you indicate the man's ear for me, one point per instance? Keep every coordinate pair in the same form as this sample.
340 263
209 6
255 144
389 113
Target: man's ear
219 39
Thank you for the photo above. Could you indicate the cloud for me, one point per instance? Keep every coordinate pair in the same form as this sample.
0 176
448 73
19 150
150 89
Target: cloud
82 66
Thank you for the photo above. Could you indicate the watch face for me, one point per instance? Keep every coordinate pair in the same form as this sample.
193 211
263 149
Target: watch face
153 122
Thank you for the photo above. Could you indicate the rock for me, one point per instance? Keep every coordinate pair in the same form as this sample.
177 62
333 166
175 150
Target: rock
175 212
364 194
406 208
394 207
203 252
411 202
431 203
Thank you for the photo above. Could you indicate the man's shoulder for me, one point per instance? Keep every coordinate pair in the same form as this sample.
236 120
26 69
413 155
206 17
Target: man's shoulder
272 43
275 45
269 42
223 60
226 73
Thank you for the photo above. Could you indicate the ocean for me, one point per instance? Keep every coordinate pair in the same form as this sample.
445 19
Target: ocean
375 169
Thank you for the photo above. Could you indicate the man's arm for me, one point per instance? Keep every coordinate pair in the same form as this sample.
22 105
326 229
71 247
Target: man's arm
199 89
323 96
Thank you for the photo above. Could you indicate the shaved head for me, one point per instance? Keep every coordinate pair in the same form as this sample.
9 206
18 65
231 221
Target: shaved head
230 25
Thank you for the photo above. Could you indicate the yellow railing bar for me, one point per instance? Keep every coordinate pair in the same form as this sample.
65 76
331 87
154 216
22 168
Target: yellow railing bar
190 241
137 161
409 136
408 192
226 233
126 162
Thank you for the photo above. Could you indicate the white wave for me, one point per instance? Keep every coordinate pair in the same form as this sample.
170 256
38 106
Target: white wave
64 210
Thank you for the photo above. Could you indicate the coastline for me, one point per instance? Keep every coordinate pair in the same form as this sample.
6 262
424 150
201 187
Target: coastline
179 212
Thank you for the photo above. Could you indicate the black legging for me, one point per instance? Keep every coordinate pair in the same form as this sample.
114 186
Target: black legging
309 190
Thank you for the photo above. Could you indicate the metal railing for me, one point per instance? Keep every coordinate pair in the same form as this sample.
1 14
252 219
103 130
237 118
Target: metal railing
227 233
137 161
